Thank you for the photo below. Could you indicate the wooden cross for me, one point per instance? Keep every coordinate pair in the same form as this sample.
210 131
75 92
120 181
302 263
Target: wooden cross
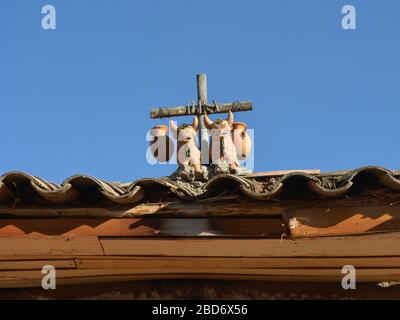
201 108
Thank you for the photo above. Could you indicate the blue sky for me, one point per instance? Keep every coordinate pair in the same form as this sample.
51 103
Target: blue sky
76 99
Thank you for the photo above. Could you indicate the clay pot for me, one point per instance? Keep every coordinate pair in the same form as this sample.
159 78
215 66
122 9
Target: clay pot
241 140
163 149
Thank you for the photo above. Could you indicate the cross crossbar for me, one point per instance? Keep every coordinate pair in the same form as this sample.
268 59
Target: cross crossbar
189 110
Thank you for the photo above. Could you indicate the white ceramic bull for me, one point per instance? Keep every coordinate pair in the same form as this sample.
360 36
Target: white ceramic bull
187 151
222 148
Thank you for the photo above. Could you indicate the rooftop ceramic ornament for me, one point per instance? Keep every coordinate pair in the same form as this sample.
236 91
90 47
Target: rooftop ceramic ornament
161 145
188 154
241 140
222 148
225 149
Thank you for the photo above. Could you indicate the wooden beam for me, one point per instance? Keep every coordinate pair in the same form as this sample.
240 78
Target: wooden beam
36 264
48 246
373 245
239 106
124 262
162 209
127 262
24 279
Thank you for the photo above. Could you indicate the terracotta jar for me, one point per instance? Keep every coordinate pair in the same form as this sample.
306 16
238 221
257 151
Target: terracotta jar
241 140
163 149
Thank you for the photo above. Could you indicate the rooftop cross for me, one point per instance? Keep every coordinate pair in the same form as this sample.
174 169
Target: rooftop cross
201 108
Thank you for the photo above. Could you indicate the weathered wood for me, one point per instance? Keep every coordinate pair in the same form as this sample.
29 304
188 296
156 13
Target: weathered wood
127 262
179 111
307 222
48 246
261 227
34 257
202 101
202 89
161 209
91 269
372 246
104 262
21 279
36 264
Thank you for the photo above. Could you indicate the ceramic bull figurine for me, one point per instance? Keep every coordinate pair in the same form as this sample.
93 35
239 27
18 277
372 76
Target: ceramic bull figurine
222 148
188 154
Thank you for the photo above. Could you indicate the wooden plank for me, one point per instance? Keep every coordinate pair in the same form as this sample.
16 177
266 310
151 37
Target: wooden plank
101 262
233 263
218 262
162 209
33 283
36 264
144 227
49 245
41 257
20 279
384 245
343 220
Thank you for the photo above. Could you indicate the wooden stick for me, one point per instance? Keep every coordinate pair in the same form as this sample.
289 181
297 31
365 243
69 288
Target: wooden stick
202 101
157 113
202 90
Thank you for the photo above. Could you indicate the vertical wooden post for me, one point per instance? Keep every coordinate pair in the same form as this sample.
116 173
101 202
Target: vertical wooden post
202 102
203 133
202 88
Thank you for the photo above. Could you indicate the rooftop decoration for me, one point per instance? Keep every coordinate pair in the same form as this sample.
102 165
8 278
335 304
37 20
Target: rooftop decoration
221 145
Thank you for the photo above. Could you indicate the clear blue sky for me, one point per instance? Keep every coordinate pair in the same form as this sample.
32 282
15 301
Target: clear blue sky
76 100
